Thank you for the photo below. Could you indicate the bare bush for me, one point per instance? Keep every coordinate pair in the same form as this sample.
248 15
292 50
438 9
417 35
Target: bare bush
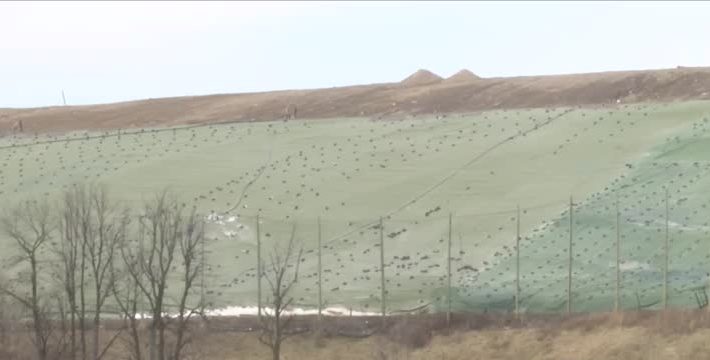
29 226
167 246
411 333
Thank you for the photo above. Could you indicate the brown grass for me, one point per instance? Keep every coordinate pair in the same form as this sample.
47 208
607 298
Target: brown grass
632 335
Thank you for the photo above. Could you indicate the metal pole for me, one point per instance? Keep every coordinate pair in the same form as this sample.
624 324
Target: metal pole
258 267
665 268
202 270
382 270
517 264
448 276
569 267
320 276
617 302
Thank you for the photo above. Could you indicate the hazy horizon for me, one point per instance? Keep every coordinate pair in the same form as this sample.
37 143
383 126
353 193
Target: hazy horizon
112 52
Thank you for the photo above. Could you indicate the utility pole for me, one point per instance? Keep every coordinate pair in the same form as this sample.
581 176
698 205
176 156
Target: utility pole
666 250
382 271
258 267
320 277
517 264
569 267
617 302
202 271
448 275
64 99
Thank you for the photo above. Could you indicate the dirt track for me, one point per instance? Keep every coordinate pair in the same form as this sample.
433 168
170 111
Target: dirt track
423 93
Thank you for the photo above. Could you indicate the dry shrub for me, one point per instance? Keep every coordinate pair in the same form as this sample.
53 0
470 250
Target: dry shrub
680 322
672 322
354 327
410 333
488 321
437 322
386 350
478 322
319 340
585 322
9 350
636 318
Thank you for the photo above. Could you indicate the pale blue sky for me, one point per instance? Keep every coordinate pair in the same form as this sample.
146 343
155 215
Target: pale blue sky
108 52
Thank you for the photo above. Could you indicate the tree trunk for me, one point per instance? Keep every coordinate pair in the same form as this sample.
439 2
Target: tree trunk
152 341
72 350
36 316
161 339
277 351
97 324
134 329
82 301
277 331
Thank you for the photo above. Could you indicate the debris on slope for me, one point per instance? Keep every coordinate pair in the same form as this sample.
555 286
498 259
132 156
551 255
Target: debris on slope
463 75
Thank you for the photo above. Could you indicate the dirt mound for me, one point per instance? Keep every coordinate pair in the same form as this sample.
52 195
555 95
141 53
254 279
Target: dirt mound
463 75
421 93
421 77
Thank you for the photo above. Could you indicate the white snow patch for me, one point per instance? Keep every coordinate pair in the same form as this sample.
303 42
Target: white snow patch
253 311
675 225
672 225
227 226
633 265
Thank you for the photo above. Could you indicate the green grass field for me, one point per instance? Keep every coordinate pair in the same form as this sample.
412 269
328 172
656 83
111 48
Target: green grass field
414 173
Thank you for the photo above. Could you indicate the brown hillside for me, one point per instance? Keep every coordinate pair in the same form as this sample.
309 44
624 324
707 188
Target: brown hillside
377 100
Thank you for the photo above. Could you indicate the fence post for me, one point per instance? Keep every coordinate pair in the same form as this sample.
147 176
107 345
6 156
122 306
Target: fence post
382 270
617 295
448 276
320 277
258 268
202 271
517 265
569 267
665 268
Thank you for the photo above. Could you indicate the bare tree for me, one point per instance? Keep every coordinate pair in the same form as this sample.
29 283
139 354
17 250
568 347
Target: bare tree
29 225
127 296
71 252
3 319
109 231
281 275
167 252
91 228
191 246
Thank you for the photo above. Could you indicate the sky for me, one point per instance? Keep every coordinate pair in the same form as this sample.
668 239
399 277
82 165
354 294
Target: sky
100 52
